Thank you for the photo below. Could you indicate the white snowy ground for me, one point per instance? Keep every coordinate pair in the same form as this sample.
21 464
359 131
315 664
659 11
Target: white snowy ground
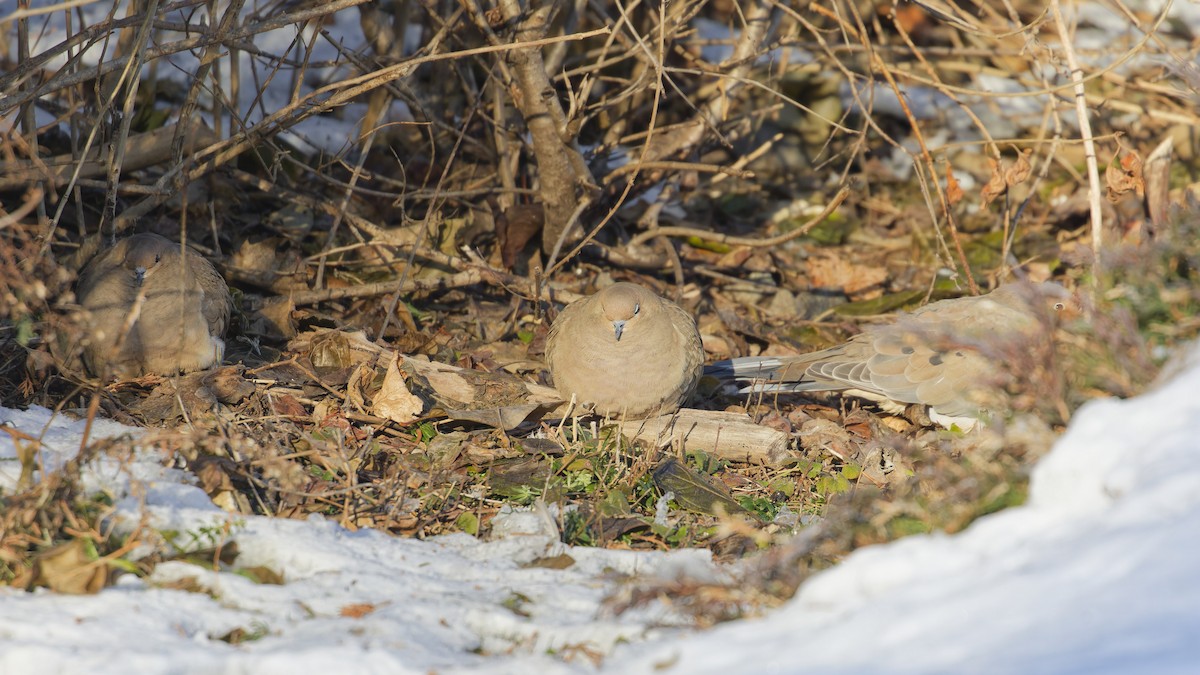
1097 574
1100 572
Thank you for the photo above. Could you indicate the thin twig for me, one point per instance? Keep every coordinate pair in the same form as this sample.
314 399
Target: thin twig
1085 127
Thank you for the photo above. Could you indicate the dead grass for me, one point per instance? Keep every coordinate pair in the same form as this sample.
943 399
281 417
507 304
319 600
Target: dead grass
446 235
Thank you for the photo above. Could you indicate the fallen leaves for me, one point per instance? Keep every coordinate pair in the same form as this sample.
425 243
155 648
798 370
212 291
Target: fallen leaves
73 567
357 610
1001 179
394 401
1120 181
829 269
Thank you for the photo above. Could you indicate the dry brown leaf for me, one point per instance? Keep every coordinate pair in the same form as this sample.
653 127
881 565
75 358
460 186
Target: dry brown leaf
1128 178
995 185
175 397
515 227
362 376
910 18
330 349
561 561
261 574
286 405
826 436
451 385
227 384
69 568
394 401
831 270
1019 172
736 257
273 318
357 610
1132 164
269 263
213 475
857 423
954 191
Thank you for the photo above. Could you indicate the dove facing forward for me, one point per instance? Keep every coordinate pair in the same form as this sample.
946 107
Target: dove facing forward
947 355
152 308
626 352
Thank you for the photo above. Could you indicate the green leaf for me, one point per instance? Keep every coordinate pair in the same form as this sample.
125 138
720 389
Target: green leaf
467 522
426 432
25 331
884 304
706 245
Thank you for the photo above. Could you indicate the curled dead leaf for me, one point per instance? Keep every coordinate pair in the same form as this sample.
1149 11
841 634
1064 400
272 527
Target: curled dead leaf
213 474
71 567
954 191
273 317
1128 178
394 401
826 436
515 227
330 349
1019 172
286 405
361 377
995 185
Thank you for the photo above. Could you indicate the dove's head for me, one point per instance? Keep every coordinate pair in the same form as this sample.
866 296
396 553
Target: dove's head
1047 298
144 252
624 303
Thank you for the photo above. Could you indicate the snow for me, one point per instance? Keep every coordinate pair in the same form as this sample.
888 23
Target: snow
436 603
1096 574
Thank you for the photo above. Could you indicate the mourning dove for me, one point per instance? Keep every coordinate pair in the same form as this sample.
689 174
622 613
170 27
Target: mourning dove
948 355
625 352
152 310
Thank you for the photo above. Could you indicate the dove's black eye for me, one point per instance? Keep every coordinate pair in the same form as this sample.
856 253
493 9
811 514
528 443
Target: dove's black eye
637 308
157 258
1059 306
